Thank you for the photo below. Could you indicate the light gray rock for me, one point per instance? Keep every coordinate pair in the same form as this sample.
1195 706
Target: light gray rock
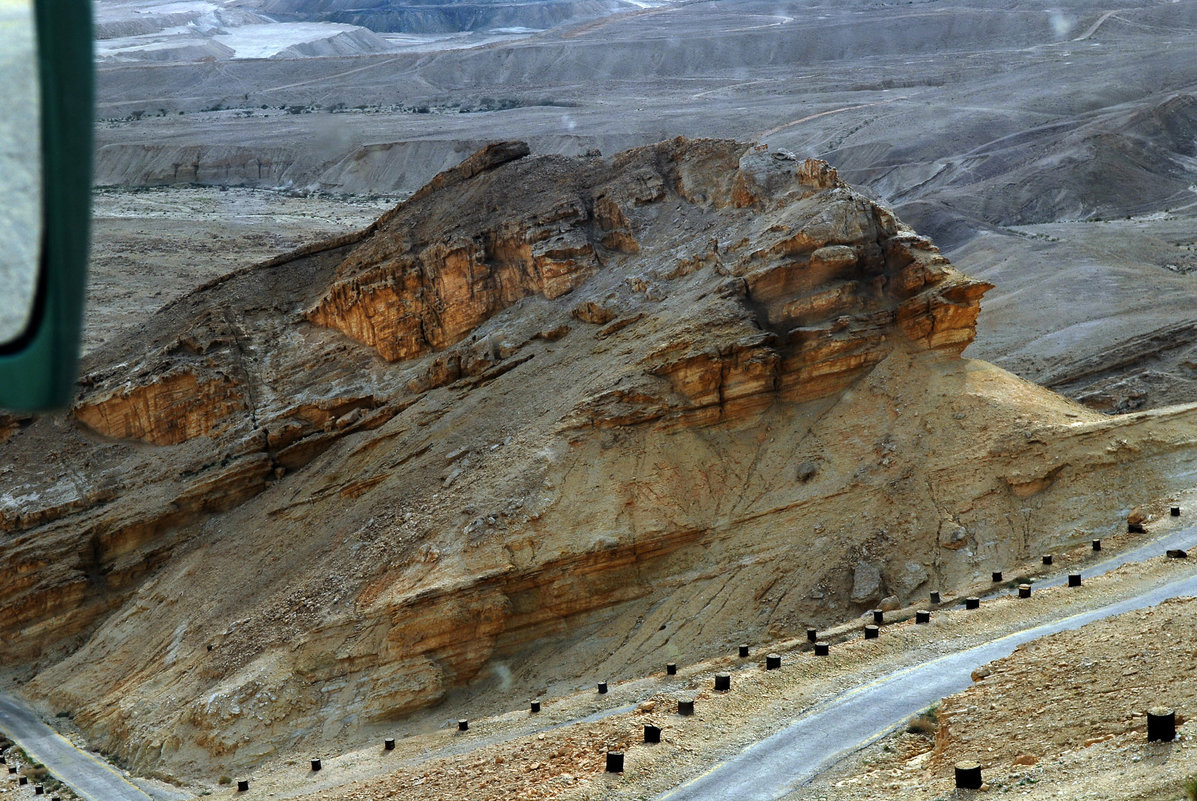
907 579
866 582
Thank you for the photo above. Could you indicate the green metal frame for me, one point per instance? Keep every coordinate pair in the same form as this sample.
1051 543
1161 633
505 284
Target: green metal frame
38 369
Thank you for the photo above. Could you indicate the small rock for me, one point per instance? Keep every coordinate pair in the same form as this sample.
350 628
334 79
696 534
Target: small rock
591 312
954 537
1135 521
866 582
553 334
349 419
981 672
909 578
648 706
1026 759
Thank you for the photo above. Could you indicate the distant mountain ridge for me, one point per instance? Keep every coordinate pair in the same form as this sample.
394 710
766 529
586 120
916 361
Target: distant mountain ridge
443 17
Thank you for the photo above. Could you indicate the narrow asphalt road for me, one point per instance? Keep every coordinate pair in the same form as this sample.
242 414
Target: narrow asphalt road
840 726
90 778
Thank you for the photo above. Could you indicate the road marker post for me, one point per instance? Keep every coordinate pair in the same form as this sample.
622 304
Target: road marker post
1161 725
968 775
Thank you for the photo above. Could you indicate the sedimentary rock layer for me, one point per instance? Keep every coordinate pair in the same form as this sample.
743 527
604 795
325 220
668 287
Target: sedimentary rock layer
550 419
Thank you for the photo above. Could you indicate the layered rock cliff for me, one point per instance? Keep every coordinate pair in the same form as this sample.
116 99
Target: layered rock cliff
550 419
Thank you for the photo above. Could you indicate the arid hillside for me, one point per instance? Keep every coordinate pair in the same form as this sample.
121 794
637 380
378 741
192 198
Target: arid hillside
552 420
1046 147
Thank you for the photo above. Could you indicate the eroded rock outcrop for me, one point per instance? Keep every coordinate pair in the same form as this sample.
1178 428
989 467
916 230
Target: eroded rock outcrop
814 281
625 409
171 409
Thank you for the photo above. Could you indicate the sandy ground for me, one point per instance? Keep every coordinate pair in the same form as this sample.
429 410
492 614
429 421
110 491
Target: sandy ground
151 246
1084 691
1064 716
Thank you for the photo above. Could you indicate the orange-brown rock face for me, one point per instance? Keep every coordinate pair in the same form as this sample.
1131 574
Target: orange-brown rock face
415 302
415 288
167 411
613 396
833 278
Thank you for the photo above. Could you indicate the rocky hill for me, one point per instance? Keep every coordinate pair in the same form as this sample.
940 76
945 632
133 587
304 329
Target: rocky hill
550 420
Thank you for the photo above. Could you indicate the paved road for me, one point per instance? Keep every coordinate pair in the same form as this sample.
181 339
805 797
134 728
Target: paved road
840 726
90 778
1184 539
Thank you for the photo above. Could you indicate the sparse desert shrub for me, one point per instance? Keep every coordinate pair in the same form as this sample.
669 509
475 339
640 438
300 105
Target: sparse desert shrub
225 780
1190 785
925 723
920 725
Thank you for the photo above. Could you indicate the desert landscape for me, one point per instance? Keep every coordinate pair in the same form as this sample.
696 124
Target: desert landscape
444 358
